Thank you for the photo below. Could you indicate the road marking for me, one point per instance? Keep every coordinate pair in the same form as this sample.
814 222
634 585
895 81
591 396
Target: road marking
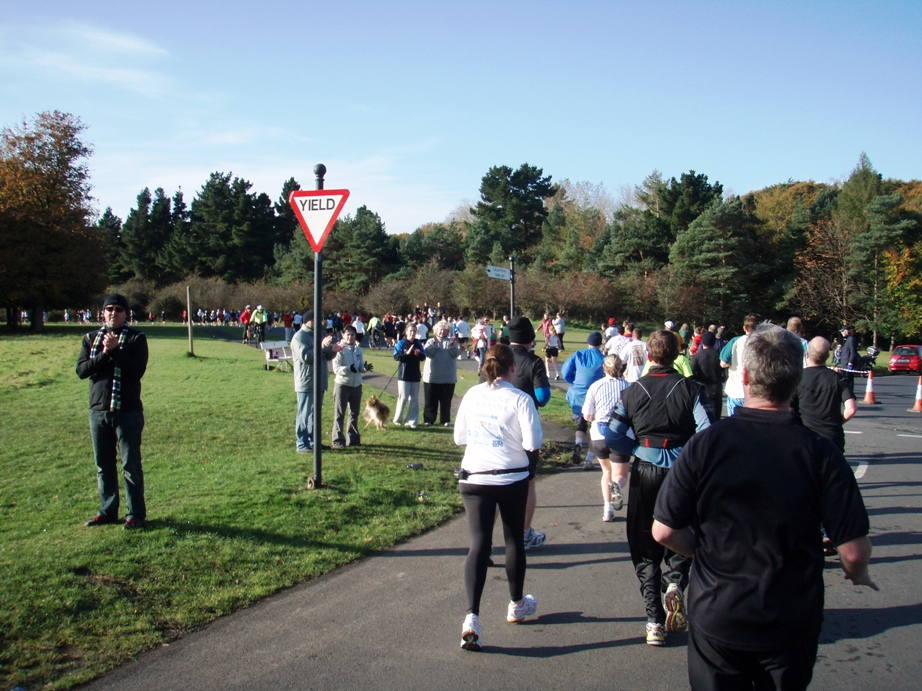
848 431
862 469
910 436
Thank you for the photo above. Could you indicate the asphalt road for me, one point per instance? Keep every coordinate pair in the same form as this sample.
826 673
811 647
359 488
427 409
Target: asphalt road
393 620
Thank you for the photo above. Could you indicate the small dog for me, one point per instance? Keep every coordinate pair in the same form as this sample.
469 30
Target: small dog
376 412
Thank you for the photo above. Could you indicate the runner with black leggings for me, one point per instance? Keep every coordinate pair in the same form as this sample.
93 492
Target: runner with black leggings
498 424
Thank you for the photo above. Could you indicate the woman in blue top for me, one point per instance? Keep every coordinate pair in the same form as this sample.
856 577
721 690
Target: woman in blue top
409 353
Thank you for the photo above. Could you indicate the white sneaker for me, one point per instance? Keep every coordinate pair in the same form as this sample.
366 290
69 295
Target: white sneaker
396 424
617 499
587 465
655 635
471 634
674 603
608 514
517 611
534 539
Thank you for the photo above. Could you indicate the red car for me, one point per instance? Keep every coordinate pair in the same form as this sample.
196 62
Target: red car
906 358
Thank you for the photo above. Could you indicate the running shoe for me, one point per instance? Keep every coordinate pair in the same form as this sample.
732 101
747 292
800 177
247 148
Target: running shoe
617 499
608 514
534 539
525 607
471 635
674 602
577 453
655 635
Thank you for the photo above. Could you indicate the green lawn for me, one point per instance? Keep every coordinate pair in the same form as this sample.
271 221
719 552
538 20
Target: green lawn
230 518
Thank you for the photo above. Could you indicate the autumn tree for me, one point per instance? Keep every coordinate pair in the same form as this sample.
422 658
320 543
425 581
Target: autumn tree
51 255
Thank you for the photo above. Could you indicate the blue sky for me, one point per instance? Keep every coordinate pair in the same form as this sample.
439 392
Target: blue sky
408 104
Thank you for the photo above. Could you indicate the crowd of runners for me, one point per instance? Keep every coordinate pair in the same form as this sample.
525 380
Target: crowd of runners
754 501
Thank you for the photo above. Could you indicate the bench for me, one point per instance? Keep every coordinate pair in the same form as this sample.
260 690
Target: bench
278 353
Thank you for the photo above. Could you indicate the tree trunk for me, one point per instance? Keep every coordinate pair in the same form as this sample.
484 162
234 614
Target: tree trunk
37 325
12 317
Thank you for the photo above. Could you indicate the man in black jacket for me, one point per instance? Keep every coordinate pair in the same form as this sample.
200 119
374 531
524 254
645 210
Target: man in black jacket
706 369
114 359
849 359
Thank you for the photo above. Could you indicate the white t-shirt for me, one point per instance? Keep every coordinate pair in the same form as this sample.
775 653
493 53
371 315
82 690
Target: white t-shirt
615 344
463 329
497 424
634 355
559 325
422 331
734 386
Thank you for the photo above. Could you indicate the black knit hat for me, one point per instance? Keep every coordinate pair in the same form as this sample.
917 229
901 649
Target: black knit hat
116 299
521 331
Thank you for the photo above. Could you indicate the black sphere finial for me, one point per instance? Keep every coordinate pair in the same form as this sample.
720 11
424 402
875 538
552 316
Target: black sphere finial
320 170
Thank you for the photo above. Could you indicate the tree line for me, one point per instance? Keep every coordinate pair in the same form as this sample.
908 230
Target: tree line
679 247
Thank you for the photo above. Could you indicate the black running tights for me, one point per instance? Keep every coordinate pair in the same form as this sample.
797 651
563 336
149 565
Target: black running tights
480 503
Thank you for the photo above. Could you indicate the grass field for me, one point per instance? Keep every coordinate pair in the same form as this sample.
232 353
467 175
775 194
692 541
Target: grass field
230 518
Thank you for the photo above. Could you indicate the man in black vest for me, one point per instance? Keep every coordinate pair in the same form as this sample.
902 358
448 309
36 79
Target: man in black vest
664 409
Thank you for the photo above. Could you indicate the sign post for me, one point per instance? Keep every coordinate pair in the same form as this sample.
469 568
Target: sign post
317 211
504 274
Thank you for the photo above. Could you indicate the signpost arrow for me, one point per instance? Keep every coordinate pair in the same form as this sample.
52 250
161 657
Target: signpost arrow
317 211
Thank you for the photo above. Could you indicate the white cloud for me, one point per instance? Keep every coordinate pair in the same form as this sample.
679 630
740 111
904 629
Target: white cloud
74 51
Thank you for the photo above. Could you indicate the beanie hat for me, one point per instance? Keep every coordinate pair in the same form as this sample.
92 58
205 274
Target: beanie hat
670 325
708 339
116 299
308 316
521 331
611 321
595 339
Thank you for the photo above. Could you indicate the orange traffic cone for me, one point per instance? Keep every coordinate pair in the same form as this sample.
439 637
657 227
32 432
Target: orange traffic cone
869 390
917 408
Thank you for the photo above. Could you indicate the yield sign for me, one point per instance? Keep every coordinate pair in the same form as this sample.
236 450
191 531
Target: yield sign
317 211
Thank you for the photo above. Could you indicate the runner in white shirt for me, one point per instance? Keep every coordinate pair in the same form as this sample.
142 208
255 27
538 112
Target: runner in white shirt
634 356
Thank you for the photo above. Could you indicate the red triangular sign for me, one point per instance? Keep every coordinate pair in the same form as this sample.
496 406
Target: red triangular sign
317 211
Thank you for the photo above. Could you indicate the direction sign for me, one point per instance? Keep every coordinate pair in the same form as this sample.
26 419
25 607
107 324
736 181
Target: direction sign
317 211
498 272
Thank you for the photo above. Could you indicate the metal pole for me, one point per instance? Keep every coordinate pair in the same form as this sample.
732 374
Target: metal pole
511 286
317 481
189 319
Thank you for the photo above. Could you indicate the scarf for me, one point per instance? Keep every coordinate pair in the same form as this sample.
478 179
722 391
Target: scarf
115 402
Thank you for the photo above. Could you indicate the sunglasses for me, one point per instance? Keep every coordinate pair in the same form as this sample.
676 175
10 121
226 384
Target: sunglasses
114 308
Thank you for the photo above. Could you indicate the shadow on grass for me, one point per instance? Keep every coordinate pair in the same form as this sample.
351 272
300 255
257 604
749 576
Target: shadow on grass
253 534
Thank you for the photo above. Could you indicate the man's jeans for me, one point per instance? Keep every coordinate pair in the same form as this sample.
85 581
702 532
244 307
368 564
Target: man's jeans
119 432
304 422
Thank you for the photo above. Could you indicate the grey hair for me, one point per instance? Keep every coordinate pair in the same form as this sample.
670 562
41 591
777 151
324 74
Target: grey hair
442 325
773 358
